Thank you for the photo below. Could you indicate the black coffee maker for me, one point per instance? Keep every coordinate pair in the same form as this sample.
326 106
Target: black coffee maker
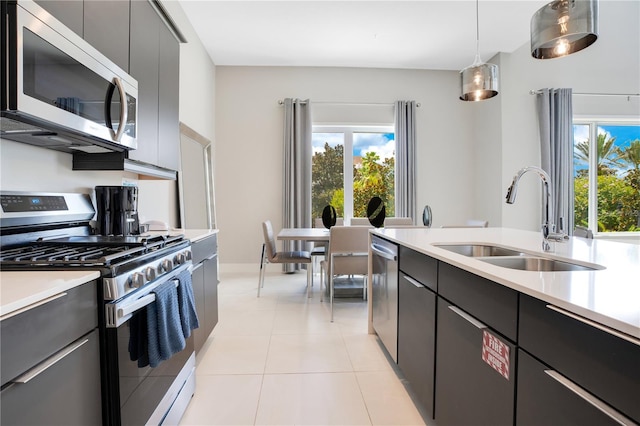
117 210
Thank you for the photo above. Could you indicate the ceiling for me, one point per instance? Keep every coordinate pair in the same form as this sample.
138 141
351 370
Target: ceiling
420 34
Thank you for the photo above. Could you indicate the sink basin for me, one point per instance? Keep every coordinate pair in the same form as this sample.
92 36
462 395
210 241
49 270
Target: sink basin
479 250
539 264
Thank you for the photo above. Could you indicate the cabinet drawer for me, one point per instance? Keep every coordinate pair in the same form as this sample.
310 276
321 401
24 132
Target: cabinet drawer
204 248
469 391
538 388
32 336
66 393
492 303
420 267
603 364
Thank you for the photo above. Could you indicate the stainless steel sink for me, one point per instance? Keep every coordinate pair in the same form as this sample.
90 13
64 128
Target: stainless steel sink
479 250
539 264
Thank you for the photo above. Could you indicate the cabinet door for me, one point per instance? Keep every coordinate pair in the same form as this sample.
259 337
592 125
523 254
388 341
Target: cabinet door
69 12
543 400
168 98
416 337
65 393
210 294
469 391
143 66
197 282
106 27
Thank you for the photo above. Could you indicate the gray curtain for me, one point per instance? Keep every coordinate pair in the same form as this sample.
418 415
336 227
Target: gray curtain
555 119
405 178
296 185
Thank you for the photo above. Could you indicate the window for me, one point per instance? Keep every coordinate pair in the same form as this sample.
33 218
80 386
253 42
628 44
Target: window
349 166
607 175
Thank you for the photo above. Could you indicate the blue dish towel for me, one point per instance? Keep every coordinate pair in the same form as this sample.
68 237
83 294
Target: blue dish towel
138 341
188 314
163 325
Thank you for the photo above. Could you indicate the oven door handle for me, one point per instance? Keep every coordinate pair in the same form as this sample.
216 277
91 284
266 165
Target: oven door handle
140 303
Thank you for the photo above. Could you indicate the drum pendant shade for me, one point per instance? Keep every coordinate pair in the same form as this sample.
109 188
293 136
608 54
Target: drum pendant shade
563 27
478 81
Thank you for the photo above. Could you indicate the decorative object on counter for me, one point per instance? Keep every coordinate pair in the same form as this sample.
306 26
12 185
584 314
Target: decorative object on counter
376 212
548 227
427 216
329 216
563 27
478 81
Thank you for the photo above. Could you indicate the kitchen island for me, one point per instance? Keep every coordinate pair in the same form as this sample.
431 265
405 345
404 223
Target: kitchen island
485 344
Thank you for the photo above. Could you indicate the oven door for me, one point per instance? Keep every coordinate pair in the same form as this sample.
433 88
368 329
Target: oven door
62 92
143 395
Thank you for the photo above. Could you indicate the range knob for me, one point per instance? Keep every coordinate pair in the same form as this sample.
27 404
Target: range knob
187 255
179 259
166 265
136 280
150 274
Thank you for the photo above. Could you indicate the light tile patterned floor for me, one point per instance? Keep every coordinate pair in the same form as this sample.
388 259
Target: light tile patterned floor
278 360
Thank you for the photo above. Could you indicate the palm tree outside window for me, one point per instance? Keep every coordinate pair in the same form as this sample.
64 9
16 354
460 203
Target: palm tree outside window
607 176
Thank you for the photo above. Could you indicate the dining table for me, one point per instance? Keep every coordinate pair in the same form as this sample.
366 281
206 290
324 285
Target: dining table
312 235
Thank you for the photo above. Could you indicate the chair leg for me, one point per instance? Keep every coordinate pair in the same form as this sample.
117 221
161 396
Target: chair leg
331 294
309 279
321 283
262 266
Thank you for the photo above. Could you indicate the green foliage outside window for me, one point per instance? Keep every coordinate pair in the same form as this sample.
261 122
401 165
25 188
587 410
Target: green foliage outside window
370 179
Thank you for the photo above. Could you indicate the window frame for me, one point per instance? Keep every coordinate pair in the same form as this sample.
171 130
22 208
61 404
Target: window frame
594 122
348 130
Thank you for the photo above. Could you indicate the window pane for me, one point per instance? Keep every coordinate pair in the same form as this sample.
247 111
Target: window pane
618 162
373 171
327 177
581 174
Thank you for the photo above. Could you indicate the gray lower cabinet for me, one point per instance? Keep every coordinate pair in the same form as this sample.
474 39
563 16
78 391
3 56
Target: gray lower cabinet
51 362
417 337
604 365
544 398
65 393
472 390
205 287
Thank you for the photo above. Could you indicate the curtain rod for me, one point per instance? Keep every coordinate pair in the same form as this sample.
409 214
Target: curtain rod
627 95
281 102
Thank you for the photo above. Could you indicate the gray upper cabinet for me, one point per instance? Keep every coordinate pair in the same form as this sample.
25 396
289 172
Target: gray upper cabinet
69 12
106 27
154 62
144 58
104 24
168 101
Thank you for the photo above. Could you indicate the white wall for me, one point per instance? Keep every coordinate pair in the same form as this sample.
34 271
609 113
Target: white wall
249 141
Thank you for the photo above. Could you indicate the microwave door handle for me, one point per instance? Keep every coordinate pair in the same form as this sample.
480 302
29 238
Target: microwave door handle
124 112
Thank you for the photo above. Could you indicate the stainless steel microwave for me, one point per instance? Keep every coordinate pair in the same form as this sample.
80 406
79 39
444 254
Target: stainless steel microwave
58 91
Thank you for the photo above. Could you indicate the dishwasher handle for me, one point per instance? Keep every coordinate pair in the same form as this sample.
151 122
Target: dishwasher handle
384 252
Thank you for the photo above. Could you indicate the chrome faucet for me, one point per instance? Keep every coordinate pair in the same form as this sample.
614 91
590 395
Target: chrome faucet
548 227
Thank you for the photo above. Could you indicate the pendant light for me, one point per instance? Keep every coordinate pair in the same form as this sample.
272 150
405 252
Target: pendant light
563 27
478 81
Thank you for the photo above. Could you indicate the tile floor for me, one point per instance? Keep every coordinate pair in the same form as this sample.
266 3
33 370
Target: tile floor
278 360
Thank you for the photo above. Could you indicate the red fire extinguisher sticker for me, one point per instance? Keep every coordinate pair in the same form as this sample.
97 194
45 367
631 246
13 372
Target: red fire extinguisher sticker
495 353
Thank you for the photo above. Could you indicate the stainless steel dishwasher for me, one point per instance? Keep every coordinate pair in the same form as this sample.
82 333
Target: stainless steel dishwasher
384 280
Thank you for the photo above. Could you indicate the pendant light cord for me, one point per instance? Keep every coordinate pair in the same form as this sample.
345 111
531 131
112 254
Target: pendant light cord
477 59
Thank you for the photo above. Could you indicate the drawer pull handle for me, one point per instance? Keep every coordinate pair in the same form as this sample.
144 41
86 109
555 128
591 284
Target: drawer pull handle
600 405
32 306
595 324
44 365
414 282
468 317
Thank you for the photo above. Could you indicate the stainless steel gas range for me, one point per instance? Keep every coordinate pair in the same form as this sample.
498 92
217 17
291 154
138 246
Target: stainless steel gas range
51 231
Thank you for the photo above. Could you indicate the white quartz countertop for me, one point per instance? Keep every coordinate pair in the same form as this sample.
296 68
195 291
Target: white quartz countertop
190 234
610 296
19 289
